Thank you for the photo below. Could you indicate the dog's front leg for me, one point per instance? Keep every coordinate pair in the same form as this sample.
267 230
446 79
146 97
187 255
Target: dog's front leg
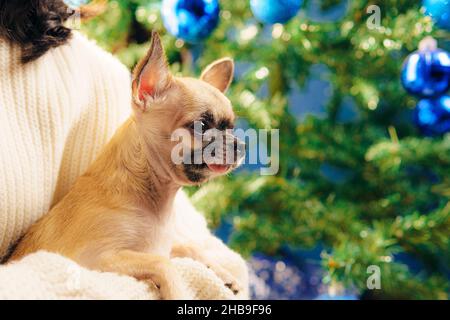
195 252
148 267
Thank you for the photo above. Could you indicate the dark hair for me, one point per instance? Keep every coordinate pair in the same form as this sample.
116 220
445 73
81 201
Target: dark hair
36 25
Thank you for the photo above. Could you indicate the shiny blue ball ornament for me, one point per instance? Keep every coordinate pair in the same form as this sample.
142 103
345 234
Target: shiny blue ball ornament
336 297
275 11
75 3
439 11
432 116
426 72
190 20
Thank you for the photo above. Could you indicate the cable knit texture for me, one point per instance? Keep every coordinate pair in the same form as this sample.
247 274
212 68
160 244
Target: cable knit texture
55 115
46 275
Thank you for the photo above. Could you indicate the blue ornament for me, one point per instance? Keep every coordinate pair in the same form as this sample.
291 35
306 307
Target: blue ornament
275 11
439 11
327 296
275 278
75 3
426 72
190 20
432 116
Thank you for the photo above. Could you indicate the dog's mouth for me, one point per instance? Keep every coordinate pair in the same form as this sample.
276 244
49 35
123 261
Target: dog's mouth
197 173
218 168
198 167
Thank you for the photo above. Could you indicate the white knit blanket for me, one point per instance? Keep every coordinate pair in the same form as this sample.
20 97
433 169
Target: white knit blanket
46 275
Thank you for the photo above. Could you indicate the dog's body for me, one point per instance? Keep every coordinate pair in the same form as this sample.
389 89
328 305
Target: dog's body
119 215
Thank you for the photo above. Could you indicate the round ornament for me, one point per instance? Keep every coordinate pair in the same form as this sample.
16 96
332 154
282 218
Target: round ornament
432 116
439 11
75 3
275 11
426 72
190 20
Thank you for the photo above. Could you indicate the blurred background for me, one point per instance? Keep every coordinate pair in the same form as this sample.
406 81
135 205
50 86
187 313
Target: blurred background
364 163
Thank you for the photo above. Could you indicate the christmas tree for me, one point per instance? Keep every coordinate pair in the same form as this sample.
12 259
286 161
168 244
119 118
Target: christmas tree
356 176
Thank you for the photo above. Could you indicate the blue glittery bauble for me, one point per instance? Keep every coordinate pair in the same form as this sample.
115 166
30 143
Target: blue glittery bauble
432 116
75 3
336 297
190 20
275 11
439 10
278 278
426 73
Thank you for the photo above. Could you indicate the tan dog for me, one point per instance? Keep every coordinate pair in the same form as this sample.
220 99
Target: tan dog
119 215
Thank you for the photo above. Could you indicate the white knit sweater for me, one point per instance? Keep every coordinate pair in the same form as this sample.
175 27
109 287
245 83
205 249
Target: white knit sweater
56 113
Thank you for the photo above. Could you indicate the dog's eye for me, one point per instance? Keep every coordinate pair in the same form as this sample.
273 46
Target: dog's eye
199 127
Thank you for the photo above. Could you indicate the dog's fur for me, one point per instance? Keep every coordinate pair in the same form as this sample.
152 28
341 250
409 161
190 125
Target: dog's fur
118 217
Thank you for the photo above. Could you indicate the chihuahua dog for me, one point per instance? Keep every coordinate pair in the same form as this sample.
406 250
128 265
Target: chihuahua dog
119 216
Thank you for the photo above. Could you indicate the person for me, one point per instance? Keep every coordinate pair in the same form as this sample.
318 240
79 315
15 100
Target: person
61 100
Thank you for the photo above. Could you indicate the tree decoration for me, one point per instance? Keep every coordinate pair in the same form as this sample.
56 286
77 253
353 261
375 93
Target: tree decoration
275 11
190 20
432 116
439 11
279 278
75 3
327 296
426 72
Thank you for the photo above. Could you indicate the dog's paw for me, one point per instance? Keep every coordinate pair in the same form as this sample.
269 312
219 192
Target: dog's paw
234 287
227 278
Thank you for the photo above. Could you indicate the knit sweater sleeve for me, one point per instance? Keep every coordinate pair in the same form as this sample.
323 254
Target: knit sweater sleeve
106 106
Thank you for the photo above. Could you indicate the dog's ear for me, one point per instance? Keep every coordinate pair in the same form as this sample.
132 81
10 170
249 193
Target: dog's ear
151 77
219 74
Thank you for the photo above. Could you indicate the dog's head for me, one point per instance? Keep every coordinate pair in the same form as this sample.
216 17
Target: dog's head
185 122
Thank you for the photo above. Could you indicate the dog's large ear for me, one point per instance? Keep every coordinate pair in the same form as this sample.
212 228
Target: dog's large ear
219 74
151 77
